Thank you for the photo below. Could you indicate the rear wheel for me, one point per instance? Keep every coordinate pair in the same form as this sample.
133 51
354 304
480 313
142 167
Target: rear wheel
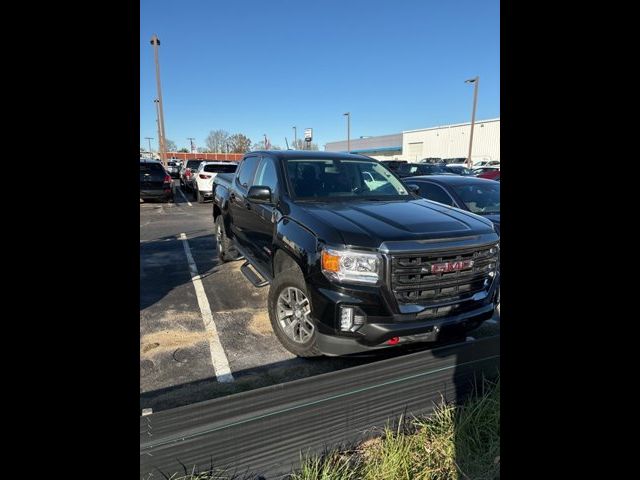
290 314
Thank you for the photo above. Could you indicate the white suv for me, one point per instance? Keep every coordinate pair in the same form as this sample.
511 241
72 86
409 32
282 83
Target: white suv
203 177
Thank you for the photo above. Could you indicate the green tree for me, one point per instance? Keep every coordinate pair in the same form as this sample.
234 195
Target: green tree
184 150
239 143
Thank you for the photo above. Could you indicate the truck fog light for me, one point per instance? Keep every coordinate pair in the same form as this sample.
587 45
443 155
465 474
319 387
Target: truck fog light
351 318
346 318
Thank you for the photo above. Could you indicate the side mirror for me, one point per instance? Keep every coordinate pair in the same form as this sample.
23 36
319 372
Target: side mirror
413 188
259 194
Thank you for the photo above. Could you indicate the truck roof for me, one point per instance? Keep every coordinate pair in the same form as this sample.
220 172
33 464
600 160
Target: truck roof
301 154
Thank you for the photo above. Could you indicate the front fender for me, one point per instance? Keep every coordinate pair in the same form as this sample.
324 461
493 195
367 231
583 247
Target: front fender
299 243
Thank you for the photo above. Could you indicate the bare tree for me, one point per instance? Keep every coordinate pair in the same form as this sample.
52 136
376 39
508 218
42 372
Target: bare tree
170 145
260 146
300 144
239 143
217 141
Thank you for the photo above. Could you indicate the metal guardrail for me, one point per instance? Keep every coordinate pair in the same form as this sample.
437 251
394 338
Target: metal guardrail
265 431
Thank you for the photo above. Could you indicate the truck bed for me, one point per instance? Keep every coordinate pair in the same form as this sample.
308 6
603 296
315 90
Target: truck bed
224 179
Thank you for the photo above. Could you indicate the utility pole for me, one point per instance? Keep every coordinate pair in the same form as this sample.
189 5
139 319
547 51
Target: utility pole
475 82
295 137
155 41
149 138
160 146
191 139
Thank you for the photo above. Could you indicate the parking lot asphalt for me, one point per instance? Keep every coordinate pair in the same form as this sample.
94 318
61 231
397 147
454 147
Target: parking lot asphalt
199 317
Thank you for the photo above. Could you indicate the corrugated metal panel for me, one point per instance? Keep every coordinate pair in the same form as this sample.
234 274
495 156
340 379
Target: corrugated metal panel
371 143
453 141
265 431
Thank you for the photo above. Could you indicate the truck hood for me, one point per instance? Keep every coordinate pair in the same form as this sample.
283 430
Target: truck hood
370 223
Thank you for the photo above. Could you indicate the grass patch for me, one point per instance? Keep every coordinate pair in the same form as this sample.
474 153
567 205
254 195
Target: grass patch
454 443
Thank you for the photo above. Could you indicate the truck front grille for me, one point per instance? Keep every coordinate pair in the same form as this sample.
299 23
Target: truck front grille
412 279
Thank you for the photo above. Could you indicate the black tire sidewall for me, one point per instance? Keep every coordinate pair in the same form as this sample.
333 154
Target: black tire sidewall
285 279
222 245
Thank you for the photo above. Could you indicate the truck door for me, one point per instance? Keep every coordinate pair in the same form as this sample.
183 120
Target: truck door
263 216
238 203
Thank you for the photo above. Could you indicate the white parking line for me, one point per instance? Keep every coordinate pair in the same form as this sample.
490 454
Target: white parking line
221 367
183 196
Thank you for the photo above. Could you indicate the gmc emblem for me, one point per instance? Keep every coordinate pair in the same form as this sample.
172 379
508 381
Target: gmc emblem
451 266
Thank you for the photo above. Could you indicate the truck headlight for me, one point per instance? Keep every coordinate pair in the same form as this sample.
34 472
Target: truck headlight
350 266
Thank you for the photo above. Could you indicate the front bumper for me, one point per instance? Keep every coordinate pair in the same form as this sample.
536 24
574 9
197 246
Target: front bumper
375 335
384 323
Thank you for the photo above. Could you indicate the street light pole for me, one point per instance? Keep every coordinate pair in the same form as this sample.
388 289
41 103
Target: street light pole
348 115
295 137
475 82
191 139
155 41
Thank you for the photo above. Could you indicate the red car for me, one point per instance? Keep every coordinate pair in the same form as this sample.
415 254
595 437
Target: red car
491 175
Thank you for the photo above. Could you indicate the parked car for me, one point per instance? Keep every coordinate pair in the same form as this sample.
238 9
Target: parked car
412 169
479 170
155 182
353 264
173 168
204 175
491 175
186 173
456 161
393 165
476 195
458 169
487 163
430 160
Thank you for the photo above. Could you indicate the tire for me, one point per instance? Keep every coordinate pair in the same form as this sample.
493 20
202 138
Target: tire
286 291
224 247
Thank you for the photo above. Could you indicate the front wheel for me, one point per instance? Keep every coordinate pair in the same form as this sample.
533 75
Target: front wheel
290 314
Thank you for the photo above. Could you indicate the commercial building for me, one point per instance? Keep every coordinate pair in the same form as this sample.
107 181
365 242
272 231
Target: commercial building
446 141
383 147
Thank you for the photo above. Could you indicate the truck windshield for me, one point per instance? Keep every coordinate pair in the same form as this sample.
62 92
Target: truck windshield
327 179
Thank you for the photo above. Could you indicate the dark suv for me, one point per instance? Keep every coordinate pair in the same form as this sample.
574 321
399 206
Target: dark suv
155 182
355 260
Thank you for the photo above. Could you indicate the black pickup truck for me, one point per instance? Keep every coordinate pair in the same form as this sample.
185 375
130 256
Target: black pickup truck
354 258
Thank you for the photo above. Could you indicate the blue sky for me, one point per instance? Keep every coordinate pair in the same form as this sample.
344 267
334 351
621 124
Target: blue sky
258 67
